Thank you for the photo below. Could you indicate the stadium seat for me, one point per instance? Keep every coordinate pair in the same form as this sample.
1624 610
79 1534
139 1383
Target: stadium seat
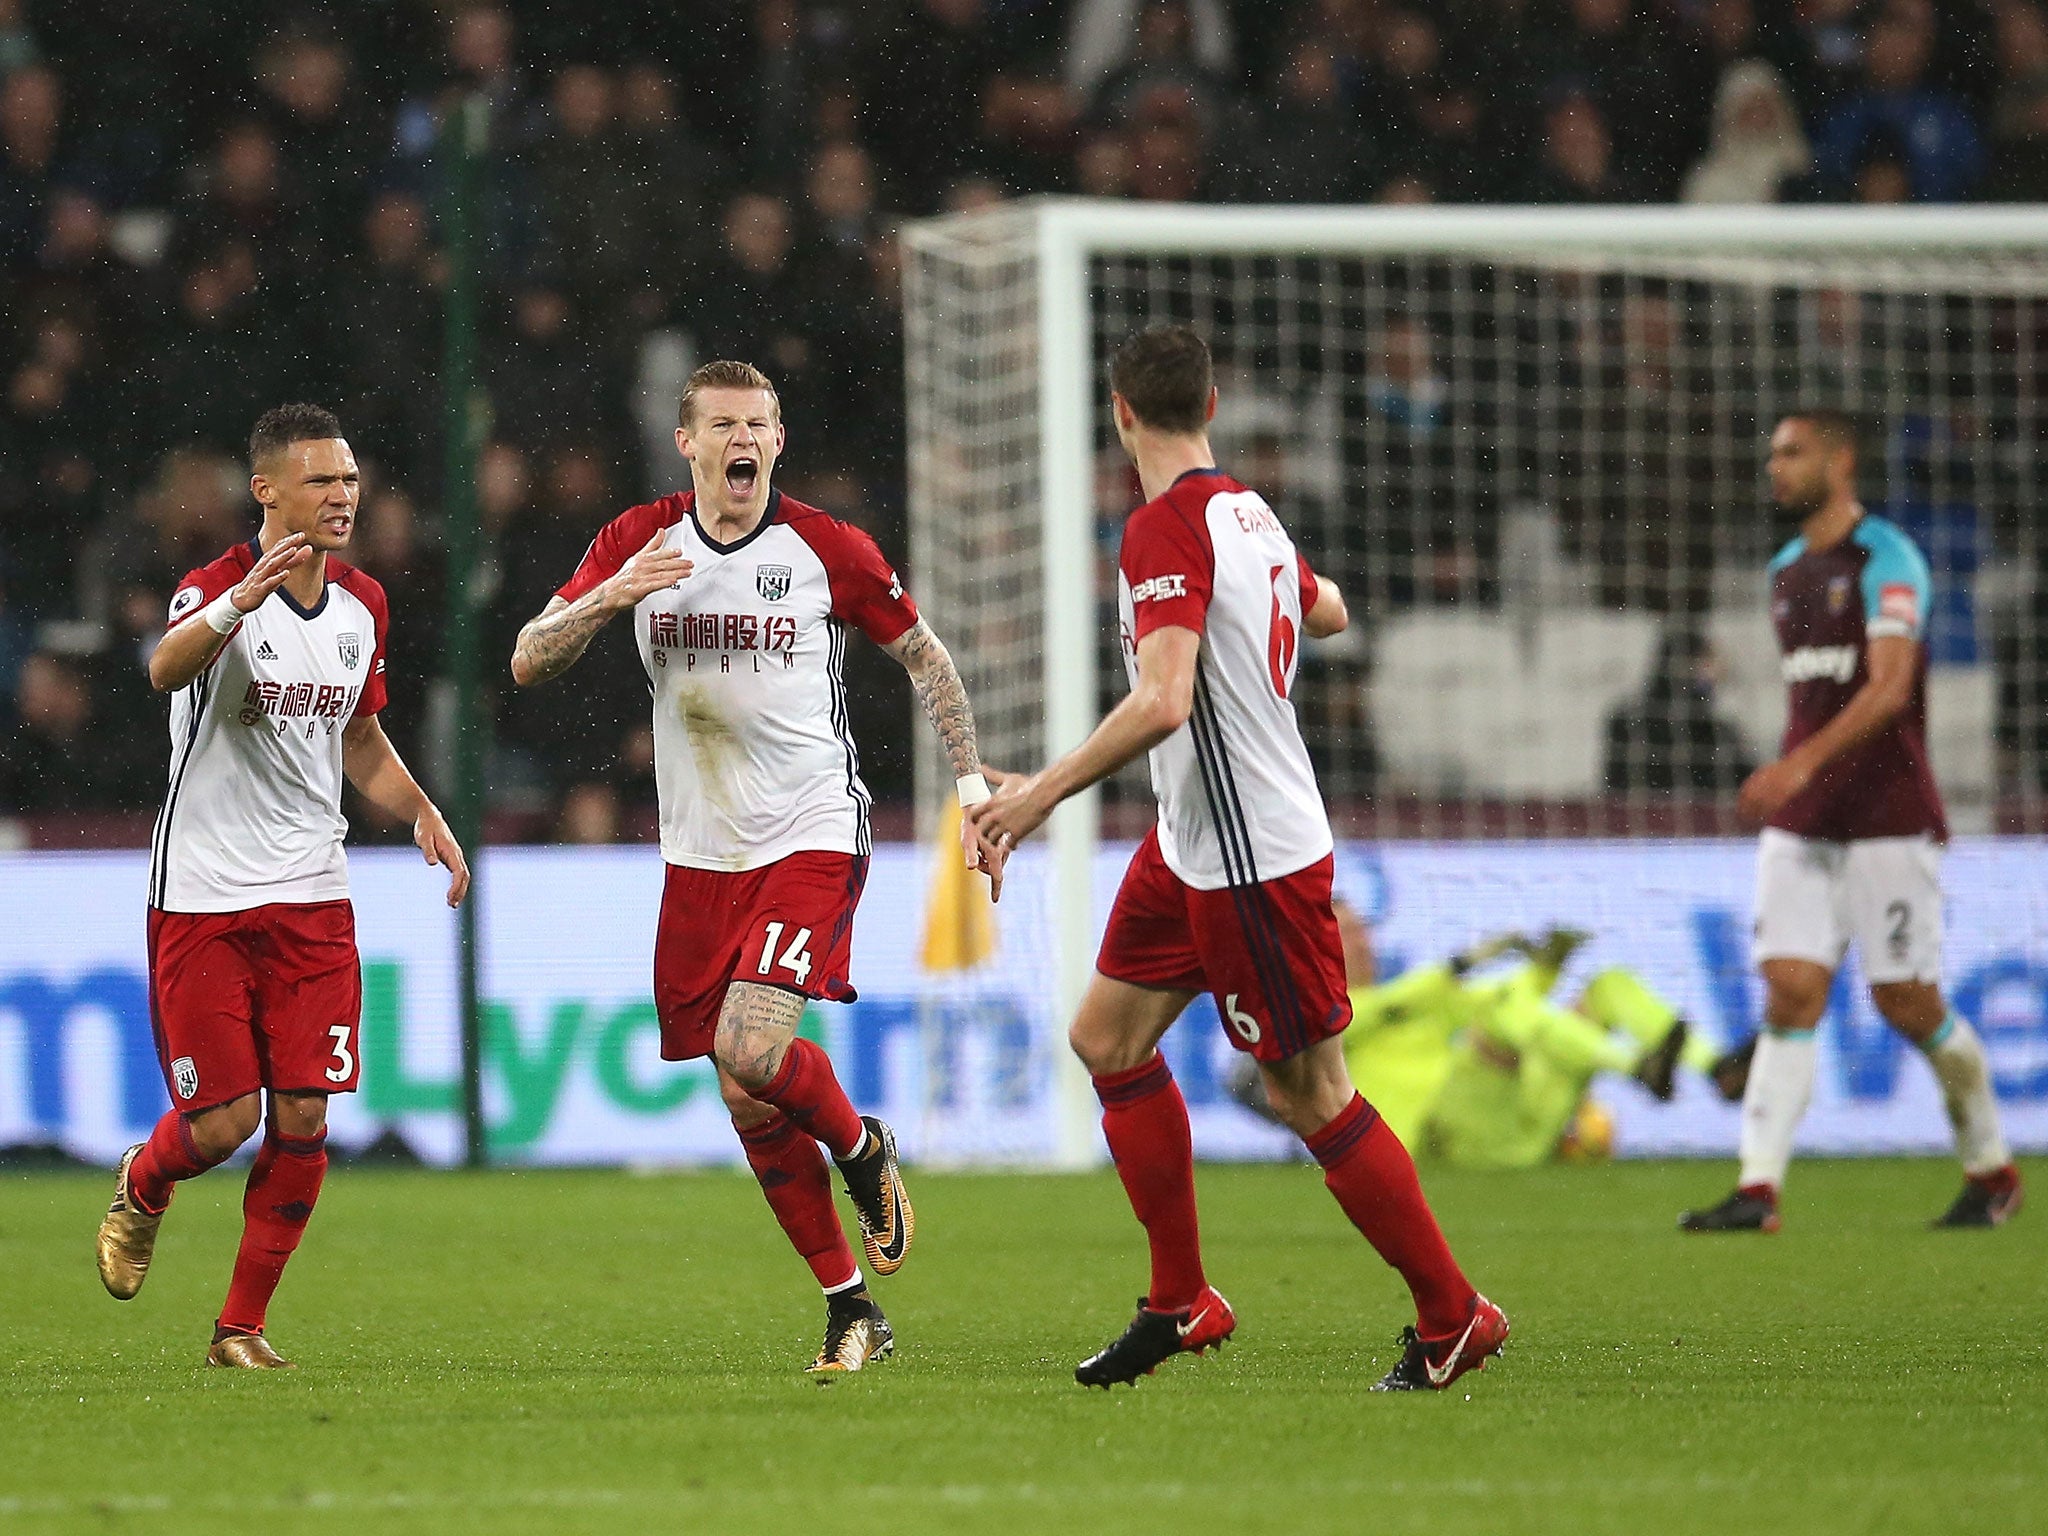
1479 704
1962 703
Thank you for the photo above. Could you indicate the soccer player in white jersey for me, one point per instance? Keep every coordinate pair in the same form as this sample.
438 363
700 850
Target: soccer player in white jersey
275 663
740 600
1230 893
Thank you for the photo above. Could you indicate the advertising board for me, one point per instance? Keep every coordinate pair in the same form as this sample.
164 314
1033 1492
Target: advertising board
962 1064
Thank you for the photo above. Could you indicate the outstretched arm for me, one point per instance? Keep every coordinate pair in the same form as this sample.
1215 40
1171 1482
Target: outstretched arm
942 694
374 767
1152 711
553 642
944 697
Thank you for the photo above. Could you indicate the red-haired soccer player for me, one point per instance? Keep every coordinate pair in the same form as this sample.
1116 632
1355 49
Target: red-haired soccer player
740 600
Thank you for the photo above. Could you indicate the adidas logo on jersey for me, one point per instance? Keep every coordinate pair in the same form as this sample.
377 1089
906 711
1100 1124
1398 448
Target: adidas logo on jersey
264 652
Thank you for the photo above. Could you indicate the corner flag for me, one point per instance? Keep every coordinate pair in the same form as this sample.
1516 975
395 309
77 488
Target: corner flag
959 920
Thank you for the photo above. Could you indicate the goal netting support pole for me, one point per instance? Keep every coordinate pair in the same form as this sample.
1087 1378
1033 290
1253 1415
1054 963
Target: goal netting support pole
1529 446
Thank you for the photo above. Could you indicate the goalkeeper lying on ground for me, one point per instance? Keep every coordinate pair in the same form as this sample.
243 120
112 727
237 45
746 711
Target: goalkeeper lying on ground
1489 1072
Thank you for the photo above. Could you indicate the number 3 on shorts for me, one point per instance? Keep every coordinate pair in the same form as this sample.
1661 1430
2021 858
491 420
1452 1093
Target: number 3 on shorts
1246 1026
344 1060
796 959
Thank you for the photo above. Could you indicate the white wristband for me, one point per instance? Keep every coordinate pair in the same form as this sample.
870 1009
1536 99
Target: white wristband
222 614
973 789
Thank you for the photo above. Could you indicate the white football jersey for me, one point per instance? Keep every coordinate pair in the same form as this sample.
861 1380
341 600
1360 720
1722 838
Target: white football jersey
753 758
1238 801
253 813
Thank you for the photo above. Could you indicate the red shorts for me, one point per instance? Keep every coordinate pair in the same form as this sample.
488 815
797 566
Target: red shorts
267 998
1269 953
788 924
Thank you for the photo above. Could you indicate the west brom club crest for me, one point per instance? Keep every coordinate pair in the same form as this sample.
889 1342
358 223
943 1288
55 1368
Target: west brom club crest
351 648
772 581
186 1076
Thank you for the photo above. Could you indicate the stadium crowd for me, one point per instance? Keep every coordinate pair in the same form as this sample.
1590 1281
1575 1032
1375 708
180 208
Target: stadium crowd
206 208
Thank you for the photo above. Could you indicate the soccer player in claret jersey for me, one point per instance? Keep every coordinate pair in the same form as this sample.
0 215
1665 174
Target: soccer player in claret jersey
1852 830
1230 894
740 600
275 663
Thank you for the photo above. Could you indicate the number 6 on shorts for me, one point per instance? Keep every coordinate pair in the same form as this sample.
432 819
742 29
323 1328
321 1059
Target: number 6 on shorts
1246 1026
796 959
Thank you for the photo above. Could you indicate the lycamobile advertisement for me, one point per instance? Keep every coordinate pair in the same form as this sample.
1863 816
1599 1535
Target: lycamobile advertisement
963 1065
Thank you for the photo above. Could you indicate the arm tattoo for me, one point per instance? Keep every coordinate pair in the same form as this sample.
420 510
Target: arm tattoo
755 1028
552 643
942 694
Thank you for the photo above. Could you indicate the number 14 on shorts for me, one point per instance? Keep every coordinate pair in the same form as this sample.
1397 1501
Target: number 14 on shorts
796 959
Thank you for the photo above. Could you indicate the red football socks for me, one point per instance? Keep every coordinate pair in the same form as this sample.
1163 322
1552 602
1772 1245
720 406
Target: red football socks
1373 1178
1145 1121
283 1186
807 1090
799 1190
169 1155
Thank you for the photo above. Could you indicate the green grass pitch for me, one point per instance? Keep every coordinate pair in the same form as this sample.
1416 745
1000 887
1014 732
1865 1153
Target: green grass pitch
554 1352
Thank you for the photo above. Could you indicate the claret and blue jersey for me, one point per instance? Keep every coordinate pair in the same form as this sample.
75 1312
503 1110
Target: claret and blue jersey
1826 606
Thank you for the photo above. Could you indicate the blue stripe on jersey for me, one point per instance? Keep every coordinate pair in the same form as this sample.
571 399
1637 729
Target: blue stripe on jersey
1894 561
1785 557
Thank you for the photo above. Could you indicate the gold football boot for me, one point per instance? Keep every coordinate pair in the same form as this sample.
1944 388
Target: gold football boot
855 1333
874 1183
127 1237
247 1352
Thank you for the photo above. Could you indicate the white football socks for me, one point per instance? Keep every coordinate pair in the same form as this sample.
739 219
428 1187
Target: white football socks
1780 1083
1957 1055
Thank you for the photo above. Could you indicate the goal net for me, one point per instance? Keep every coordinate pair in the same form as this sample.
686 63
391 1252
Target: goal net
1528 445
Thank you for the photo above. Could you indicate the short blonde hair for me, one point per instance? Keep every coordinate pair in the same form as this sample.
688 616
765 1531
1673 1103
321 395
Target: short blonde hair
723 374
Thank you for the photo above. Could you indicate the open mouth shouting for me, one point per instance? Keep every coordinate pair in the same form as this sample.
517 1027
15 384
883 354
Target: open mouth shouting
742 474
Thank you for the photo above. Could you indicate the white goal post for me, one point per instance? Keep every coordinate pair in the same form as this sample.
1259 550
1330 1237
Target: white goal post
1526 441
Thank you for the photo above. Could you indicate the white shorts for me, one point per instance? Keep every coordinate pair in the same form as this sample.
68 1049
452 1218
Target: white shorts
1884 893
